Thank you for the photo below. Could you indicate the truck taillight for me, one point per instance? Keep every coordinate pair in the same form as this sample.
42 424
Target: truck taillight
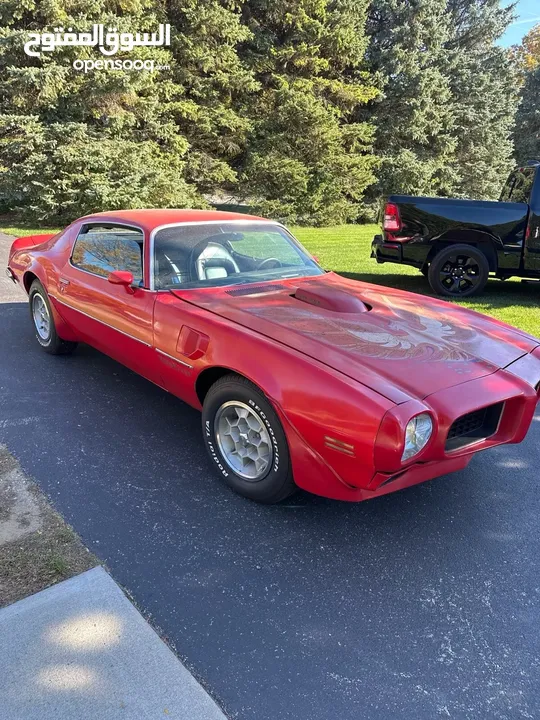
392 220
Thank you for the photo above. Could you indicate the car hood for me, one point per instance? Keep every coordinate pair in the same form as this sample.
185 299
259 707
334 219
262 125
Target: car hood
400 344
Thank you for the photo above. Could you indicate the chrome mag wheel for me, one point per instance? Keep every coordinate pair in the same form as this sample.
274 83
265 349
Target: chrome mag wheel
42 318
244 440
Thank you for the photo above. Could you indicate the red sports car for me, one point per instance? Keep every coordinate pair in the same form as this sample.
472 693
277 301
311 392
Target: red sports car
304 378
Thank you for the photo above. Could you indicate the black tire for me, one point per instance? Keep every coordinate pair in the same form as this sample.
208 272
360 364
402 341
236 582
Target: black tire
459 271
49 340
231 394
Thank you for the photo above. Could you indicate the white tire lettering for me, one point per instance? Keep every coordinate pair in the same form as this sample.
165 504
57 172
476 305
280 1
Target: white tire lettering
262 414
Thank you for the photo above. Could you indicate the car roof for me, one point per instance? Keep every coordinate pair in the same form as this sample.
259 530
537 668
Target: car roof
152 218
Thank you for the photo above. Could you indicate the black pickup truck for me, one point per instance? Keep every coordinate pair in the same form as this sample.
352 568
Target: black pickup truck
458 243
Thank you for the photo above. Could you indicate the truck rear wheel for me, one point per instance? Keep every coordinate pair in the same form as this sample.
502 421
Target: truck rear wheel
459 271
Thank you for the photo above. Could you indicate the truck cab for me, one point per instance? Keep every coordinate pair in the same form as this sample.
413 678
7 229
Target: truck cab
523 186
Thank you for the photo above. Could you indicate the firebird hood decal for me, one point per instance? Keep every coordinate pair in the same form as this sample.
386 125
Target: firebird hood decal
406 346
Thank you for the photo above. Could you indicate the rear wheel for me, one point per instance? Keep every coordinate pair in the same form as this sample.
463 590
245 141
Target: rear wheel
43 321
246 441
459 271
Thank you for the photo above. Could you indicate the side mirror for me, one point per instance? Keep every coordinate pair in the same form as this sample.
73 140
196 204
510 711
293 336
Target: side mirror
122 277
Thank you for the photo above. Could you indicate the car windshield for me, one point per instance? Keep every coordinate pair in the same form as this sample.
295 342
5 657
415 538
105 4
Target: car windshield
215 254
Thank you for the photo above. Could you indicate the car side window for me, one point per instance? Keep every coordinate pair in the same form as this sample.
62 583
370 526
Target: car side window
102 249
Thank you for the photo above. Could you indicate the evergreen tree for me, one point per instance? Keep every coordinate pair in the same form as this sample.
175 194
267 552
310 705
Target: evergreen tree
483 86
415 126
210 84
75 142
308 157
449 99
527 132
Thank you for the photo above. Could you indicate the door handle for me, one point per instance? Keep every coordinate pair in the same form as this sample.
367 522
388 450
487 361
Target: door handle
63 281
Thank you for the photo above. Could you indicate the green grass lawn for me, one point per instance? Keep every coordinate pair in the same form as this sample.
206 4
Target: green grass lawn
346 249
24 230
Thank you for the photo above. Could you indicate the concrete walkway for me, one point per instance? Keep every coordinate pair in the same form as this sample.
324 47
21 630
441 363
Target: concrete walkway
81 650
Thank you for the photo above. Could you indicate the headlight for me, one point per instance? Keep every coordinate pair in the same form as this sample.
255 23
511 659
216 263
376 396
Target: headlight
417 434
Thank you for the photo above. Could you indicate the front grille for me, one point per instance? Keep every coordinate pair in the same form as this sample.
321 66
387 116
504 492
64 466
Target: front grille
474 426
254 290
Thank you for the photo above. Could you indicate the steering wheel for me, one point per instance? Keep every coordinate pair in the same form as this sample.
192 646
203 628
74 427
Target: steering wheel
263 263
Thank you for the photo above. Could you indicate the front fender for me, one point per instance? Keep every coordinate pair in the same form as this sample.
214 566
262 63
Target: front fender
330 420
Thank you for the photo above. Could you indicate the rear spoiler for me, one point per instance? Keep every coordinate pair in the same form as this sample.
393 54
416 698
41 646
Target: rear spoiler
27 241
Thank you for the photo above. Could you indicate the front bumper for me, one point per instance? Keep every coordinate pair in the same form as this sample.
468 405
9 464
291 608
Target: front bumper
384 483
516 388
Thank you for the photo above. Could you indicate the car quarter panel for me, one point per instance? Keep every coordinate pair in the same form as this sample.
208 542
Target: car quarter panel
39 256
330 420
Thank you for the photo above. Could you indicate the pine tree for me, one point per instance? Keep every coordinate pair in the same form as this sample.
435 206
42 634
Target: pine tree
449 96
483 86
308 157
211 84
527 131
415 126
75 142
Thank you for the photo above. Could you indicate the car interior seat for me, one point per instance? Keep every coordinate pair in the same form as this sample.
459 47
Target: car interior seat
215 261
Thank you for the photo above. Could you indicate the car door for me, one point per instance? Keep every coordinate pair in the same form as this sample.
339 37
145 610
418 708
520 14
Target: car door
113 318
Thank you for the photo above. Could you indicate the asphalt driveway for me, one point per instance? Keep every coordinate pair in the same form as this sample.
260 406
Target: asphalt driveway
422 604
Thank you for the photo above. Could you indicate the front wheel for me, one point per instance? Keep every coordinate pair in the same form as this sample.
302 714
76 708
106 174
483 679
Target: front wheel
43 321
458 271
246 441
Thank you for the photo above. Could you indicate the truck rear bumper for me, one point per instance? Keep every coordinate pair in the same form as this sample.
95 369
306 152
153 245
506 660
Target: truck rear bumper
386 251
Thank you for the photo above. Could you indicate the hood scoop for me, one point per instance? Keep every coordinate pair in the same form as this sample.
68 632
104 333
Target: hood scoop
331 298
